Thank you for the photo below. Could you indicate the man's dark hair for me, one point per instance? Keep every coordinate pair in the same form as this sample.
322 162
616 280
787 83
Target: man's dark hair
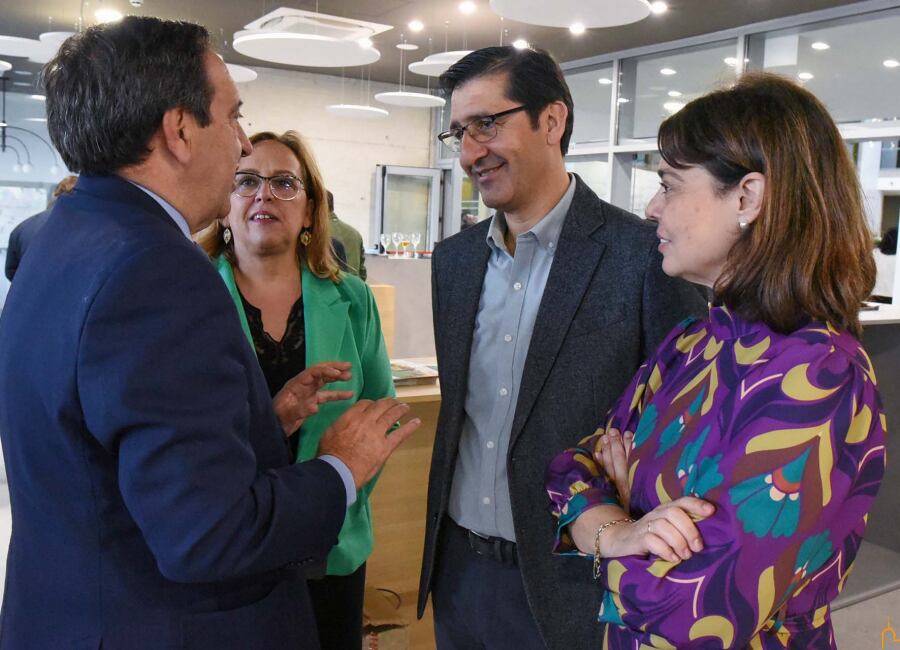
109 87
535 80
330 198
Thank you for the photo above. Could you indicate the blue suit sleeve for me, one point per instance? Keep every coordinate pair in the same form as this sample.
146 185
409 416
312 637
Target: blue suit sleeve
166 385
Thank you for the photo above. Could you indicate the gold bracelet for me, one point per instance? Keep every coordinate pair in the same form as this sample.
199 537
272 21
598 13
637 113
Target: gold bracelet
600 531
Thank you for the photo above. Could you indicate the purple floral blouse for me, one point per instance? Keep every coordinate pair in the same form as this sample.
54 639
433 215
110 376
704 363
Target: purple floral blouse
785 435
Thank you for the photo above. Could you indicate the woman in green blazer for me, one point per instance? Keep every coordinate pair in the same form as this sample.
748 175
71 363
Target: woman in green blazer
273 251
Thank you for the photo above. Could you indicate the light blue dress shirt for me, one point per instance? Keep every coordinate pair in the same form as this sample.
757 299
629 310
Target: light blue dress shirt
334 461
510 298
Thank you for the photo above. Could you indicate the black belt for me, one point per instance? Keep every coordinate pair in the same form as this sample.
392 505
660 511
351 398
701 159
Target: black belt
495 548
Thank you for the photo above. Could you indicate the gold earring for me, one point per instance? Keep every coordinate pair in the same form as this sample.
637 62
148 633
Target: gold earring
227 236
306 236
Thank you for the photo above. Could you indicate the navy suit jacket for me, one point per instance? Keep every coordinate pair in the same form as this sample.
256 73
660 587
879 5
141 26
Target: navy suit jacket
153 500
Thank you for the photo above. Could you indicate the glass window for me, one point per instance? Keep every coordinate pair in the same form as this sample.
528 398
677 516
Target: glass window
594 171
851 64
472 209
644 181
591 94
653 87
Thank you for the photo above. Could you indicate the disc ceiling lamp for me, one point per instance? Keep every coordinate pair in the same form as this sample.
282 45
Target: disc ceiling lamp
565 13
402 97
241 74
358 111
434 65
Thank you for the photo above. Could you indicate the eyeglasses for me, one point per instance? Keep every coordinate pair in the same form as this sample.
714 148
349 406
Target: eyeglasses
283 186
481 129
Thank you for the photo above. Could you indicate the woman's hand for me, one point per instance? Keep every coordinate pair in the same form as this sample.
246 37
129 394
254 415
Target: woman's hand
300 397
611 453
667 531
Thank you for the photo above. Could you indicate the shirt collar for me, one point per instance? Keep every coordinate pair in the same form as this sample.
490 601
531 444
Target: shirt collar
546 231
174 214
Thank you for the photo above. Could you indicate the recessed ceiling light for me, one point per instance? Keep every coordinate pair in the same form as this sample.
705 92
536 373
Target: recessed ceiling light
622 100
805 76
577 28
107 15
604 81
22 72
674 93
24 84
407 46
365 42
416 25
820 45
668 72
40 98
520 44
730 60
35 119
673 107
2 124
890 63
659 7
467 7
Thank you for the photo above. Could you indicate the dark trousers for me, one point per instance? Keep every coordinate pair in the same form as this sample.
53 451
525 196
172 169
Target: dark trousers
338 604
479 601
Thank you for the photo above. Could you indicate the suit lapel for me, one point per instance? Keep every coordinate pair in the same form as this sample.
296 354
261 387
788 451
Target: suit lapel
574 263
324 318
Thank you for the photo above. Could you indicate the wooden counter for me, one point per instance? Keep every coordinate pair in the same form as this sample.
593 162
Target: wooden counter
398 513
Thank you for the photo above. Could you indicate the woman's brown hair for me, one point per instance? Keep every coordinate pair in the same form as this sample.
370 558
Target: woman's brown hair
318 254
808 254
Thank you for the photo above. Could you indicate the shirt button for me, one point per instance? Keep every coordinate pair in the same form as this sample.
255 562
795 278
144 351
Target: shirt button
490 444
486 501
504 392
507 338
517 286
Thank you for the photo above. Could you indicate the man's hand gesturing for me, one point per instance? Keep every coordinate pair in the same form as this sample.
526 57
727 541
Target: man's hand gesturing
360 436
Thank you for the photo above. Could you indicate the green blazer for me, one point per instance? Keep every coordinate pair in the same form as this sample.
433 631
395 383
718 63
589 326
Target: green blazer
342 324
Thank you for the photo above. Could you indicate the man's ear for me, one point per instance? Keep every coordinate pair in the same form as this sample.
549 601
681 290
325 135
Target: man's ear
557 114
178 127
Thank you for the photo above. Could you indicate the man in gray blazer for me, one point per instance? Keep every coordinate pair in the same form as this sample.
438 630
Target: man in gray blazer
541 316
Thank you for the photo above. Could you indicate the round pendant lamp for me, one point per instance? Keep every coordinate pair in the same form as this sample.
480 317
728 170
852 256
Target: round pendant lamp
241 74
434 65
357 111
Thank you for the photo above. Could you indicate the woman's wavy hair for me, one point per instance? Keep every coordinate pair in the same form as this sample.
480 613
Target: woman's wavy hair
318 254
808 253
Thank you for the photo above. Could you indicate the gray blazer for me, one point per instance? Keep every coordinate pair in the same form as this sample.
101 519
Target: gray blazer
606 307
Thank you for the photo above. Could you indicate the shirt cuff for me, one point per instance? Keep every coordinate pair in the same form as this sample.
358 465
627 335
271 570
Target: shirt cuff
346 476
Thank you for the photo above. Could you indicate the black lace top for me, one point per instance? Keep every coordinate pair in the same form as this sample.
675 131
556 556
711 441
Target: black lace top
280 360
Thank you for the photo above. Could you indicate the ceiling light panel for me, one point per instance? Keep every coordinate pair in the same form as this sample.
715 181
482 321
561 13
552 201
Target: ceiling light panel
304 38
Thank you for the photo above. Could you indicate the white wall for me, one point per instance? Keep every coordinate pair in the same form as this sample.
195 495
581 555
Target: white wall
347 150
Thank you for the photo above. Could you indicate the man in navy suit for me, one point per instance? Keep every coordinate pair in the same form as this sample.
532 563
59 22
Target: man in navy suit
153 500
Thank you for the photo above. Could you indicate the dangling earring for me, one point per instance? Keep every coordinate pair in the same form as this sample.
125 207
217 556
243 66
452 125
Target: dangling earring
227 236
306 235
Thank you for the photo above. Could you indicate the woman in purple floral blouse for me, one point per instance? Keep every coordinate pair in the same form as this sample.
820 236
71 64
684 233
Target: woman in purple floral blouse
725 497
